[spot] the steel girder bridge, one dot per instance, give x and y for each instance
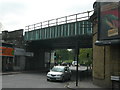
(73, 31)
(63, 32)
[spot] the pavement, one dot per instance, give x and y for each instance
(82, 84)
(9, 73)
(17, 72)
(85, 83)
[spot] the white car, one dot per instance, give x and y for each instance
(74, 63)
(60, 73)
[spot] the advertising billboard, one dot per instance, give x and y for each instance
(109, 21)
(6, 51)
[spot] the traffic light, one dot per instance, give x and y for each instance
(88, 55)
(55, 56)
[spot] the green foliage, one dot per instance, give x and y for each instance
(68, 61)
(85, 56)
(64, 54)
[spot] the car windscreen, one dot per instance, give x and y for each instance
(57, 69)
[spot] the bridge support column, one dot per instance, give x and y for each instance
(37, 62)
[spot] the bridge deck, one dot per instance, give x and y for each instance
(69, 30)
(63, 30)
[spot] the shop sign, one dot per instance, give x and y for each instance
(19, 51)
(6, 51)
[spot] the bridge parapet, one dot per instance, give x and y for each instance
(72, 25)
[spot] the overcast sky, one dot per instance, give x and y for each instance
(16, 14)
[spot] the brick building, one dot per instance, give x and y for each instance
(106, 43)
(16, 39)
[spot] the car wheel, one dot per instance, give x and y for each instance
(48, 80)
(69, 78)
(63, 79)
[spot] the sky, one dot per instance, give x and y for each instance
(16, 14)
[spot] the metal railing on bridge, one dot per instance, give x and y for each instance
(59, 27)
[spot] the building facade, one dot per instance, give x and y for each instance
(106, 49)
(17, 60)
(7, 56)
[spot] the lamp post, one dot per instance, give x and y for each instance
(77, 59)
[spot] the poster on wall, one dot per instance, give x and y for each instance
(109, 21)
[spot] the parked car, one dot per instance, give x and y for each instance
(64, 64)
(74, 63)
(60, 73)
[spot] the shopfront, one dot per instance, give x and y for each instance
(19, 59)
(7, 54)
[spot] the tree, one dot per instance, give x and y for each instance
(85, 56)
(64, 54)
